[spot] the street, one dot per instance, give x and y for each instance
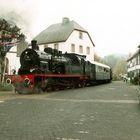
(102, 112)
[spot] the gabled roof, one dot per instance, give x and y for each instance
(59, 32)
(134, 55)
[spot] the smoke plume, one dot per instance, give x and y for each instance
(19, 12)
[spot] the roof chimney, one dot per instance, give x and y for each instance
(65, 20)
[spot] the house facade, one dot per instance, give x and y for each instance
(133, 65)
(13, 56)
(69, 37)
(13, 63)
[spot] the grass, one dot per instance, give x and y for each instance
(6, 87)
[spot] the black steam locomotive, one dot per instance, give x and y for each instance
(50, 69)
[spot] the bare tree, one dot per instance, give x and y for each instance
(120, 68)
(117, 63)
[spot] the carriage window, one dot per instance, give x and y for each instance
(100, 69)
(87, 63)
(97, 69)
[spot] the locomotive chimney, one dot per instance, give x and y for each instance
(34, 45)
(65, 20)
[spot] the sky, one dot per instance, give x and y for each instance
(114, 25)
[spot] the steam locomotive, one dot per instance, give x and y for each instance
(50, 69)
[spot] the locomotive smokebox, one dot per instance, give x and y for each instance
(34, 45)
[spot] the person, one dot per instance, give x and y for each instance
(14, 71)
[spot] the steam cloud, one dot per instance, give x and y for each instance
(19, 12)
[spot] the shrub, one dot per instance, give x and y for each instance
(134, 80)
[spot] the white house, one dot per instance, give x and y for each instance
(69, 37)
(133, 65)
(14, 56)
(13, 62)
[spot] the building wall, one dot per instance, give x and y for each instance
(14, 62)
(74, 39)
(133, 66)
(14, 56)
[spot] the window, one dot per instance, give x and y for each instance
(88, 50)
(80, 49)
(45, 46)
(56, 46)
(80, 35)
(72, 47)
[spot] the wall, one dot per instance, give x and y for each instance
(13, 60)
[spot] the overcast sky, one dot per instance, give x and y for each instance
(114, 25)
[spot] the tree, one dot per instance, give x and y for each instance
(117, 62)
(110, 60)
(119, 69)
(9, 36)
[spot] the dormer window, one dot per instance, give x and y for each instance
(80, 35)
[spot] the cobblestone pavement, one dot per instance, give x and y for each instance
(104, 112)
